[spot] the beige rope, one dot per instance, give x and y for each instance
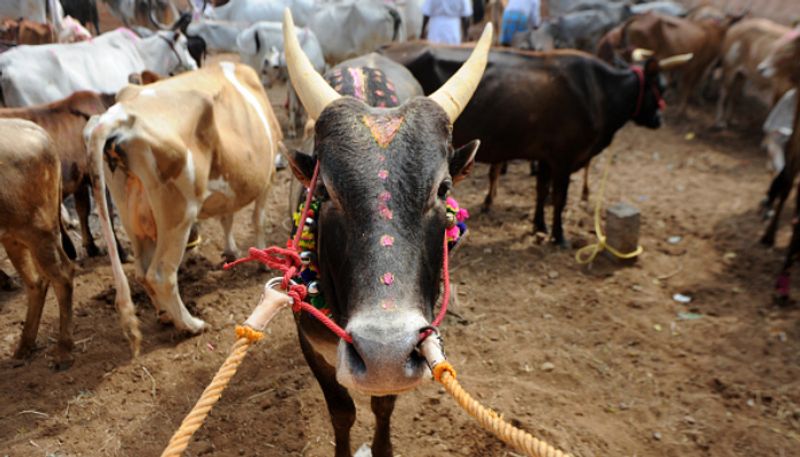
(521, 440)
(194, 420)
(269, 305)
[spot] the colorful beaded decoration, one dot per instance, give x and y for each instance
(309, 271)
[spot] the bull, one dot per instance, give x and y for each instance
(384, 175)
(559, 108)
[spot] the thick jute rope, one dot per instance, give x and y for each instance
(271, 302)
(444, 373)
(194, 420)
(588, 253)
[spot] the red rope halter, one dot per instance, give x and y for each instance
(287, 260)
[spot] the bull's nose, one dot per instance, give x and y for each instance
(383, 356)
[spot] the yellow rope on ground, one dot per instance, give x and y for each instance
(490, 420)
(588, 253)
(246, 336)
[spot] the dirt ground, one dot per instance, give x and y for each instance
(600, 361)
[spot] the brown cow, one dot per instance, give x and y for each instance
(30, 196)
(666, 36)
(784, 62)
(26, 32)
(64, 121)
(746, 45)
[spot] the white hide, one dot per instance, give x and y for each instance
(31, 75)
(220, 36)
(266, 54)
(260, 10)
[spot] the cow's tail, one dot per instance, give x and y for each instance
(398, 22)
(96, 135)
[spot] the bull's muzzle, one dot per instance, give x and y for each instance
(383, 357)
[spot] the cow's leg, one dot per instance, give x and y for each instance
(83, 208)
(231, 251)
(260, 218)
(66, 242)
(341, 408)
(162, 273)
(560, 189)
(784, 189)
(54, 265)
(382, 407)
(792, 253)
(123, 256)
(36, 289)
(774, 191)
(585, 191)
(724, 94)
(494, 177)
(542, 192)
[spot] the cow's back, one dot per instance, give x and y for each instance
(748, 43)
(31, 75)
(221, 114)
(30, 176)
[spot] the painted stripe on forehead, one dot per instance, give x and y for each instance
(383, 128)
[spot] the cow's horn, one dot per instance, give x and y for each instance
(454, 95)
(674, 61)
(640, 54)
(311, 87)
(152, 16)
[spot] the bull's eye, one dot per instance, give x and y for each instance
(444, 188)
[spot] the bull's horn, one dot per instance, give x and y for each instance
(454, 95)
(674, 61)
(314, 92)
(640, 54)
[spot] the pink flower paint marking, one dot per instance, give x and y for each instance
(387, 240)
(384, 196)
(386, 213)
(383, 174)
(388, 278)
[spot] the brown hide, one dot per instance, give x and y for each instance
(30, 196)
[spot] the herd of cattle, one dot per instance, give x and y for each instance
(137, 113)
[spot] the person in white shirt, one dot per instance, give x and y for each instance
(446, 20)
(519, 16)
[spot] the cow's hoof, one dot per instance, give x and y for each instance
(93, 251)
(539, 236)
(230, 256)
(562, 243)
(7, 283)
(164, 318)
(62, 359)
(193, 327)
(486, 208)
(363, 451)
(24, 351)
(768, 239)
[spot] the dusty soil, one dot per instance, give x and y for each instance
(600, 361)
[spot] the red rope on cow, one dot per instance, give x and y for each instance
(288, 261)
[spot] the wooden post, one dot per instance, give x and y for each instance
(622, 230)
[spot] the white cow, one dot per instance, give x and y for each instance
(262, 10)
(352, 28)
(32, 75)
(778, 129)
(261, 47)
(219, 36)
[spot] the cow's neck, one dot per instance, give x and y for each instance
(157, 54)
(623, 96)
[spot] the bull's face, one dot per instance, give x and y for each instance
(179, 58)
(651, 92)
(385, 174)
(783, 61)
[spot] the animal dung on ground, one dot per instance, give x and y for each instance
(622, 229)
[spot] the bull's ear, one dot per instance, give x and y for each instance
(302, 166)
(463, 160)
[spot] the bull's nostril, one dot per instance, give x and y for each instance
(357, 364)
(415, 359)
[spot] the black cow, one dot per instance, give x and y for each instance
(384, 176)
(560, 108)
(85, 11)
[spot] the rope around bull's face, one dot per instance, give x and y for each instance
(385, 175)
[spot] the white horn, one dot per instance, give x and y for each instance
(314, 92)
(674, 61)
(454, 95)
(640, 54)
